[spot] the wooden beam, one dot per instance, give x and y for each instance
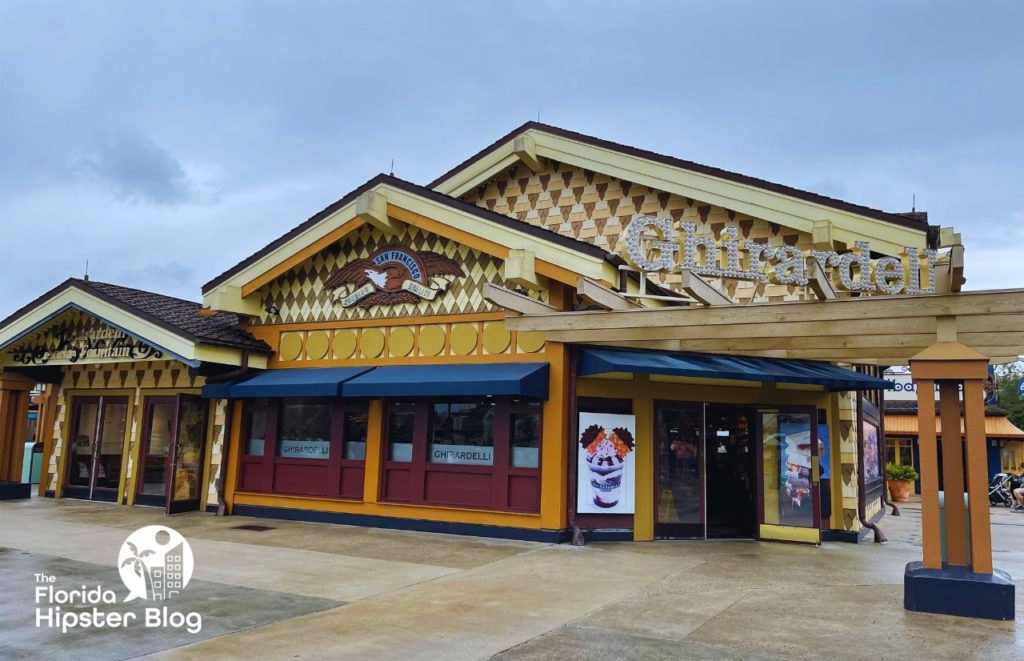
(820, 283)
(602, 296)
(700, 290)
(821, 234)
(956, 268)
(514, 301)
(519, 269)
(894, 310)
(372, 207)
(525, 148)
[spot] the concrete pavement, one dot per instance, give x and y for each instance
(302, 590)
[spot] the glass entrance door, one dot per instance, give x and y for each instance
(157, 432)
(790, 499)
(731, 472)
(95, 447)
(679, 470)
(187, 454)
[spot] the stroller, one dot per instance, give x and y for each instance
(1000, 489)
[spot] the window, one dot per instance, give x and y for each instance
(899, 451)
(524, 429)
(354, 433)
(257, 426)
(401, 422)
(305, 428)
(462, 433)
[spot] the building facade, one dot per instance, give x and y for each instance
(436, 357)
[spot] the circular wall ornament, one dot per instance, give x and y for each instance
(317, 344)
(496, 337)
(371, 343)
(344, 343)
(290, 347)
(431, 340)
(400, 341)
(463, 339)
(530, 341)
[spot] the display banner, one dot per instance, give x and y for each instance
(606, 476)
(304, 449)
(473, 455)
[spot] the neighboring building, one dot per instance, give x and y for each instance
(1005, 441)
(370, 366)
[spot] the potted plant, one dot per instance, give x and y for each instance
(901, 480)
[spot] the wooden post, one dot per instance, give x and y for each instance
(977, 476)
(929, 460)
(14, 399)
(953, 473)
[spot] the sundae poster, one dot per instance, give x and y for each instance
(606, 481)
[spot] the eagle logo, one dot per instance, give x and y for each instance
(392, 275)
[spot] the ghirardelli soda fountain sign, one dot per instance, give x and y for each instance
(784, 265)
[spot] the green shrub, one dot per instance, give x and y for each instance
(900, 472)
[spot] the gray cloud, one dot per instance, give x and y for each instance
(281, 108)
(137, 169)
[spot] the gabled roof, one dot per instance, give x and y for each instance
(486, 215)
(914, 220)
(178, 317)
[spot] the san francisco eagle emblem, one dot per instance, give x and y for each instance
(392, 275)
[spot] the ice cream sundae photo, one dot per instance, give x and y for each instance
(605, 454)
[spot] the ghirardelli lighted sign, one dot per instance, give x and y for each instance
(784, 265)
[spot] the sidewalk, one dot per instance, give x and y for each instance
(303, 590)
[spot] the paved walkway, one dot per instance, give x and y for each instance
(301, 590)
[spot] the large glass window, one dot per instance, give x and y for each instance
(462, 433)
(305, 428)
(354, 433)
(401, 425)
(257, 428)
(525, 432)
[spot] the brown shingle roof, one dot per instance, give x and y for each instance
(916, 220)
(174, 314)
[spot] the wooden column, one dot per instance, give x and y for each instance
(14, 400)
(951, 365)
(953, 473)
(928, 457)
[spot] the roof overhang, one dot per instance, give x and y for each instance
(555, 257)
(888, 233)
(871, 330)
(170, 344)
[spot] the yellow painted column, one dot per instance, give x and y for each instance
(375, 448)
(643, 409)
(554, 471)
(234, 453)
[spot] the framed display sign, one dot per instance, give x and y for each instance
(606, 475)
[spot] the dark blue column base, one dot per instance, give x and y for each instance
(958, 591)
(15, 490)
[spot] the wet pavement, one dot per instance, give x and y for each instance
(304, 590)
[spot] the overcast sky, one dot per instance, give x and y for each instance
(166, 141)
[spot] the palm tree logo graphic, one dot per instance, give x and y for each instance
(155, 563)
(138, 564)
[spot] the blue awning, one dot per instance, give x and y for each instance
(307, 382)
(717, 366)
(522, 379)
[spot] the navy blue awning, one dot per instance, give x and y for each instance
(306, 382)
(717, 366)
(522, 379)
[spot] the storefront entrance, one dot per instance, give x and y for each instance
(95, 447)
(733, 472)
(173, 447)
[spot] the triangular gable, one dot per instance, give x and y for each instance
(389, 205)
(82, 322)
(837, 221)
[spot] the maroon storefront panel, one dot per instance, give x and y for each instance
(334, 477)
(497, 486)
